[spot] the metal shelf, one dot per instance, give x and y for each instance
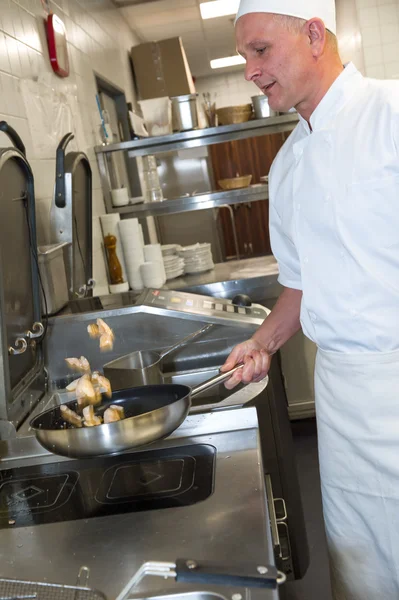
(203, 137)
(218, 199)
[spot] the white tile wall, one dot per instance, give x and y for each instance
(98, 41)
(230, 88)
(379, 25)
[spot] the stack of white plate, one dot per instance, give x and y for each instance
(197, 258)
(174, 266)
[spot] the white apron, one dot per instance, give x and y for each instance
(357, 408)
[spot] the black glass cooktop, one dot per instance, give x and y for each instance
(81, 489)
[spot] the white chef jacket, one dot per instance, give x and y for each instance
(334, 216)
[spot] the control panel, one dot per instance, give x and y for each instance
(193, 303)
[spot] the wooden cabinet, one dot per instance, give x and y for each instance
(244, 157)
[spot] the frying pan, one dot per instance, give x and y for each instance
(143, 367)
(152, 412)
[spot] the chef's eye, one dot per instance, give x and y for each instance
(260, 51)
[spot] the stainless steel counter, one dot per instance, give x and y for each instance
(259, 274)
(231, 526)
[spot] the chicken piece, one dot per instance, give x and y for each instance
(70, 416)
(79, 364)
(90, 419)
(106, 343)
(94, 377)
(111, 415)
(104, 329)
(85, 392)
(71, 387)
(101, 384)
(105, 385)
(120, 410)
(107, 336)
(93, 331)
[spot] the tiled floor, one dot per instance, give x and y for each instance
(315, 585)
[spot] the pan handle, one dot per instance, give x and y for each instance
(206, 385)
(191, 571)
(13, 135)
(60, 171)
(185, 340)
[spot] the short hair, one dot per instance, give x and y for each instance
(294, 25)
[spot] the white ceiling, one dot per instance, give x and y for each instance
(203, 40)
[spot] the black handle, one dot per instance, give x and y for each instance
(60, 171)
(191, 571)
(13, 135)
(242, 300)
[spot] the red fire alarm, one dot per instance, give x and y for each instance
(57, 45)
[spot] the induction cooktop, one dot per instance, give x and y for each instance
(82, 489)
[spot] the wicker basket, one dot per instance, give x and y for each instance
(230, 115)
(235, 182)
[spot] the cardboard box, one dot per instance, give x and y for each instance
(161, 69)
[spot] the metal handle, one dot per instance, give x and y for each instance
(206, 385)
(251, 250)
(262, 576)
(81, 293)
(83, 577)
(60, 201)
(21, 346)
(185, 340)
(90, 284)
(13, 135)
(191, 571)
(38, 330)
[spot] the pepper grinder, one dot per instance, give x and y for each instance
(114, 266)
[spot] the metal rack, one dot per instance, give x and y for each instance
(192, 139)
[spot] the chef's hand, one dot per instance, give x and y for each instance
(256, 361)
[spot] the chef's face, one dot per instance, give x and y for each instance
(278, 61)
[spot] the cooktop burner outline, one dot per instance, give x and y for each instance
(27, 493)
(153, 477)
(15, 500)
(50, 493)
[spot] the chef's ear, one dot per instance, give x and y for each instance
(317, 35)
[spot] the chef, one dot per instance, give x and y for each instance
(334, 226)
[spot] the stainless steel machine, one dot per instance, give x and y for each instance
(249, 501)
(222, 488)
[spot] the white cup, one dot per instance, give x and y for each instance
(152, 274)
(120, 197)
(152, 253)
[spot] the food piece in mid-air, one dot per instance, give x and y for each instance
(85, 392)
(71, 387)
(70, 416)
(106, 336)
(111, 415)
(104, 332)
(79, 364)
(90, 419)
(93, 331)
(104, 329)
(101, 384)
(106, 343)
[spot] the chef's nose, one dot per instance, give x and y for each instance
(252, 73)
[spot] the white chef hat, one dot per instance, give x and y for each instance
(303, 9)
